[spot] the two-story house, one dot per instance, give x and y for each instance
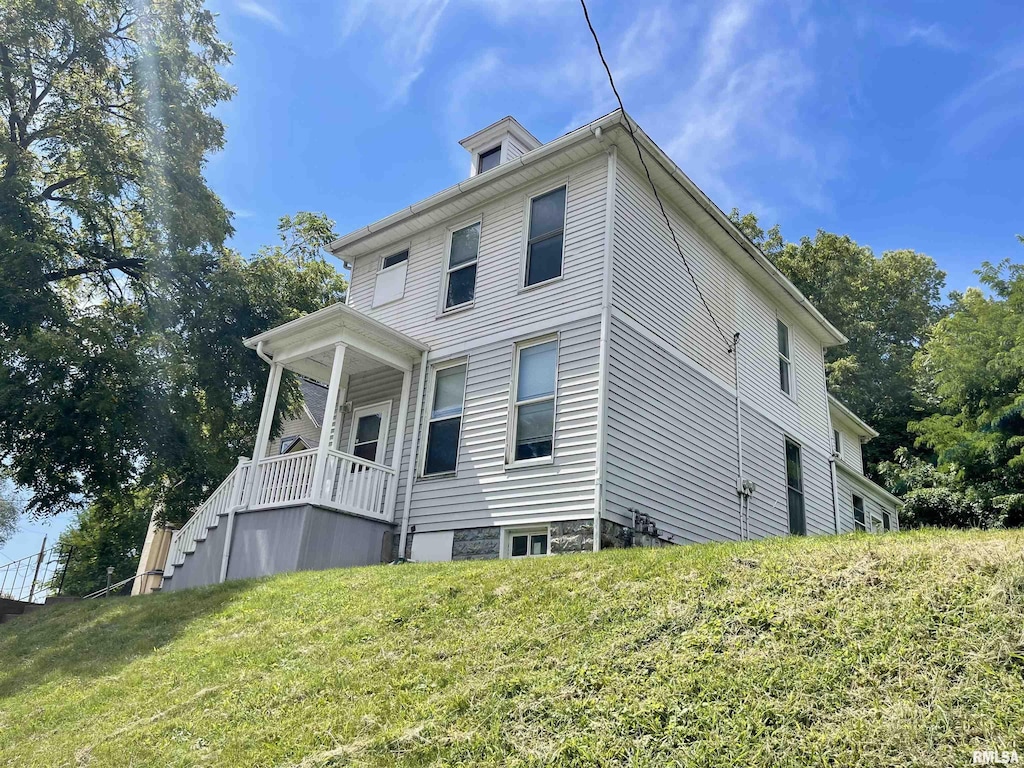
(524, 366)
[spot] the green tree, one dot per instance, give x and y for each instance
(885, 305)
(971, 370)
(105, 534)
(108, 231)
(11, 507)
(210, 389)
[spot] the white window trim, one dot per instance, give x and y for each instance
(446, 270)
(384, 409)
(863, 509)
(421, 460)
(838, 442)
(502, 155)
(533, 530)
(510, 448)
(381, 269)
(389, 254)
(788, 438)
(779, 356)
(528, 198)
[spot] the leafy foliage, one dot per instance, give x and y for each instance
(972, 372)
(885, 305)
(105, 534)
(11, 508)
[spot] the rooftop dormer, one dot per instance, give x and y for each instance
(498, 143)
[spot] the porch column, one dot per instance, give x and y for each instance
(330, 409)
(401, 433)
(259, 451)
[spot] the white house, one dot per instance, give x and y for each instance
(523, 360)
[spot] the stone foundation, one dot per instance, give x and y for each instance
(571, 536)
(615, 536)
(477, 544)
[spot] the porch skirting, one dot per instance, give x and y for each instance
(297, 538)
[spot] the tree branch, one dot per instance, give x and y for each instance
(130, 265)
(47, 193)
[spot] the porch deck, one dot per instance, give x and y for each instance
(351, 485)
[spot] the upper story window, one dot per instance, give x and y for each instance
(533, 418)
(390, 283)
(837, 441)
(544, 244)
(859, 521)
(489, 159)
(445, 425)
(795, 488)
(886, 521)
(785, 360)
(460, 278)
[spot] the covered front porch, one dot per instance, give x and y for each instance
(367, 370)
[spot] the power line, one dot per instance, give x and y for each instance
(729, 346)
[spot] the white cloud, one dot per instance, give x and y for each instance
(931, 35)
(988, 106)
(261, 13)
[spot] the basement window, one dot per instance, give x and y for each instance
(527, 543)
(489, 159)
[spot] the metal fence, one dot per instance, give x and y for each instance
(34, 578)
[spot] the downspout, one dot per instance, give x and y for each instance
(605, 346)
(741, 490)
(413, 455)
(263, 355)
(833, 457)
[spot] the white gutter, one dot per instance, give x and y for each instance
(856, 420)
(868, 484)
(413, 455)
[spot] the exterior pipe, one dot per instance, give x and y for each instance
(263, 355)
(602, 366)
(833, 456)
(413, 453)
(740, 490)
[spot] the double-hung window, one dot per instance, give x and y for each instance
(460, 278)
(795, 488)
(785, 360)
(860, 522)
(545, 236)
(533, 417)
(445, 425)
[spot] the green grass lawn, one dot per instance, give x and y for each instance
(896, 650)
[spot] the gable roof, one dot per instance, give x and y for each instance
(863, 429)
(314, 396)
(567, 150)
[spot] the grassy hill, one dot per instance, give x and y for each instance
(899, 650)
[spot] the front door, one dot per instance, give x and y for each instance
(369, 434)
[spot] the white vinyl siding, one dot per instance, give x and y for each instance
(874, 502)
(500, 301)
(672, 450)
(852, 454)
(484, 492)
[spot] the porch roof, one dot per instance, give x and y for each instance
(306, 344)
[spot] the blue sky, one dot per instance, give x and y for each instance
(896, 123)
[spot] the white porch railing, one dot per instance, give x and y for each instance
(351, 485)
(228, 495)
(355, 485)
(285, 479)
